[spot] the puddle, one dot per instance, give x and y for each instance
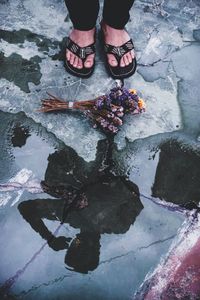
(111, 237)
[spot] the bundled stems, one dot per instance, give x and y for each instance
(106, 111)
(53, 104)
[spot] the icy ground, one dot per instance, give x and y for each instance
(158, 150)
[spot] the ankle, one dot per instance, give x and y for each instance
(78, 32)
(83, 38)
(107, 29)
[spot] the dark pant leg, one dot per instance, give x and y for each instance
(116, 12)
(83, 13)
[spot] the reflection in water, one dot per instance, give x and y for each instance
(110, 204)
(177, 177)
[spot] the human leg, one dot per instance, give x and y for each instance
(83, 15)
(115, 17)
(116, 12)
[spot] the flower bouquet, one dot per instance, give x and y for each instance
(106, 111)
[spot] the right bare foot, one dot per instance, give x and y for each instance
(82, 39)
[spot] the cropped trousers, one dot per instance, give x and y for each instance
(84, 13)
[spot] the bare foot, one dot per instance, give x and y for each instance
(83, 39)
(117, 37)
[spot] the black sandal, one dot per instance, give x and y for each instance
(82, 53)
(120, 72)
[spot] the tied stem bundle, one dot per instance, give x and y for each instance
(106, 111)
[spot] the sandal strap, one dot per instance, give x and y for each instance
(81, 52)
(120, 51)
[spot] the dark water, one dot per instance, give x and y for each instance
(103, 250)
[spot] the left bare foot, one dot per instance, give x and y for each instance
(117, 37)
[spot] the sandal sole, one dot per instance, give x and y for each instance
(79, 74)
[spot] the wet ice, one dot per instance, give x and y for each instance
(166, 38)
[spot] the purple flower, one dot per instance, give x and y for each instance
(108, 101)
(119, 114)
(113, 128)
(100, 102)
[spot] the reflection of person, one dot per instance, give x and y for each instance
(177, 177)
(80, 53)
(113, 205)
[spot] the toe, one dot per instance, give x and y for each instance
(126, 60)
(129, 56)
(72, 57)
(89, 61)
(75, 64)
(122, 62)
(112, 60)
(80, 64)
(68, 55)
(132, 54)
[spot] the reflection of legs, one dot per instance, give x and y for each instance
(115, 17)
(83, 14)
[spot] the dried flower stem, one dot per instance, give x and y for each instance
(106, 111)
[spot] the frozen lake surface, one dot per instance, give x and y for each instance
(142, 188)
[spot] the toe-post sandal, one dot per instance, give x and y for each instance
(82, 53)
(118, 71)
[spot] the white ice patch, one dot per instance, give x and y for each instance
(163, 41)
(24, 180)
(4, 199)
(44, 17)
(22, 177)
(26, 50)
(4, 103)
(162, 112)
(11, 97)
